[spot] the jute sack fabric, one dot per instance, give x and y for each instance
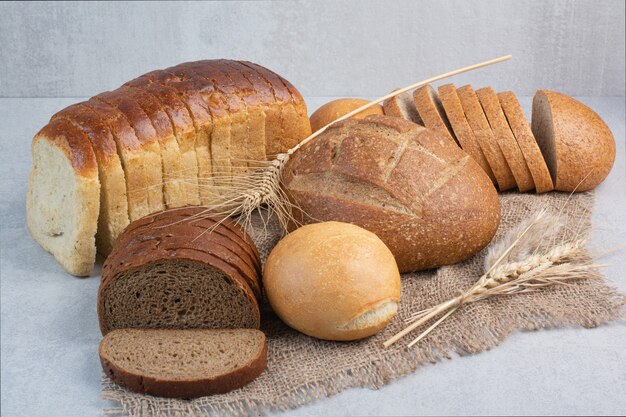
(302, 369)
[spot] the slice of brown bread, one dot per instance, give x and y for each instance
(431, 111)
(500, 127)
(577, 145)
(462, 130)
(164, 272)
(402, 106)
(183, 363)
(485, 137)
(526, 141)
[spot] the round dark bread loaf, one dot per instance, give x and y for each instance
(427, 199)
(167, 272)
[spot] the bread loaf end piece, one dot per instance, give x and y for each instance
(62, 209)
(577, 145)
(183, 363)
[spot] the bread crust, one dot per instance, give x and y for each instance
(501, 130)
(333, 110)
(485, 137)
(395, 106)
(462, 130)
(422, 195)
(526, 141)
(185, 388)
(584, 144)
(431, 112)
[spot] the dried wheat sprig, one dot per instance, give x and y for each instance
(520, 262)
(265, 182)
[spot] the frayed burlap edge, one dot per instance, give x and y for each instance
(376, 370)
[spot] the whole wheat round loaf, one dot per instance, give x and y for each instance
(427, 199)
(576, 143)
(175, 269)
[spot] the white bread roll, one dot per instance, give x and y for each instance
(333, 281)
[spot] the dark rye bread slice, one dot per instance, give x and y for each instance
(402, 106)
(147, 136)
(485, 137)
(526, 141)
(170, 276)
(462, 130)
(183, 363)
(501, 130)
(113, 216)
(185, 230)
(432, 113)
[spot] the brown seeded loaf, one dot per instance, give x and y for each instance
(501, 130)
(159, 164)
(183, 363)
(432, 113)
(462, 130)
(426, 199)
(526, 141)
(165, 272)
(402, 106)
(577, 145)
(485, 137)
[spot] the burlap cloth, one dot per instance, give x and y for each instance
(302, 369)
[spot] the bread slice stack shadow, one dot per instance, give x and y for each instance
(490, 127)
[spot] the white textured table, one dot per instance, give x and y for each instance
(49, 328)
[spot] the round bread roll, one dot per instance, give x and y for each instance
(575, 142)
(333, 110)
(333, 281)
(422, 195)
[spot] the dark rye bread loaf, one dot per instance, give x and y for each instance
(427, 199)
(183, 363)
(168, 271)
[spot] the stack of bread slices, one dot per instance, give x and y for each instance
(567, 148)
(169, 138)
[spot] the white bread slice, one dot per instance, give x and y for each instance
(183, 363)
(63, 199)
(402, 106)
(113, 217)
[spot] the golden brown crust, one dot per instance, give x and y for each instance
(421, 194)
(585, 147)
(500, 127)
(485, 137)
(462, 130)
(333, 110)
(526, 141)
(181, 388)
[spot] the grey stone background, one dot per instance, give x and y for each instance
(326, 48)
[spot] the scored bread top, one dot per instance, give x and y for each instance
(485, 137)
(183, 363)
(502, 131)
(462, 130)
(526, 141)
(432, 113)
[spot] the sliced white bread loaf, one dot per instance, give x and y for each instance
(63, 197)
(576, 143)
(183, 363)
(526, 141)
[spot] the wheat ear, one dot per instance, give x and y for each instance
(263, 185)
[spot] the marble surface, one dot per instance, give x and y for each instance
(49, 329)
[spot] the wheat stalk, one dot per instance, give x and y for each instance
(242, 194)
(525, 260)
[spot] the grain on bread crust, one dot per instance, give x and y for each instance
(62, 210)
(526, 141)
(422, 195)
(500, 127)
(485, 137)
(183, 363)
(462, 130)
(577, 145)
(432, 113)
